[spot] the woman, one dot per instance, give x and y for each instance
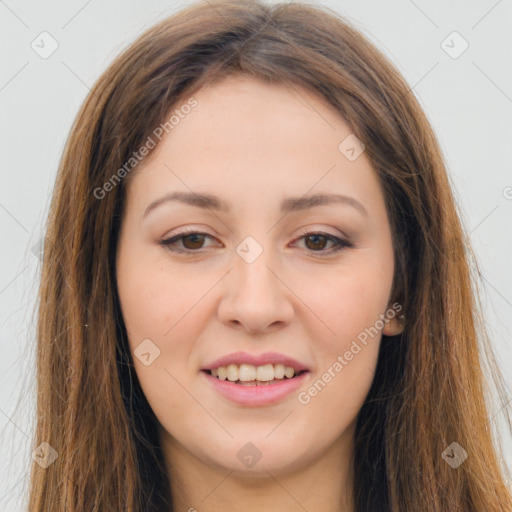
(256, 292)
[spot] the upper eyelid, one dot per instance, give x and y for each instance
(300, 235)
(303, 231)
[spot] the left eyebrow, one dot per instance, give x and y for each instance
(211, 202)
(306, 202)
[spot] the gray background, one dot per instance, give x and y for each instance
(468, 100)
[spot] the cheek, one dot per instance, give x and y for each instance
(335, 396)
(169, 307)
(347, 359)
(347, 301)
(154, 298)
(162, 312)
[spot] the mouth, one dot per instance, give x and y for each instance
(255, 386)
(251, 375)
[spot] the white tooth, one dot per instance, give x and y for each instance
(265, 372)
(289, 371)
(278, 371)
(249, 372)
(246, 372)
(232, 372)
(222, 372)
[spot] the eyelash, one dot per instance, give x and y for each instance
(340, 243)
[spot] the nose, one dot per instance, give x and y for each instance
(255, 298)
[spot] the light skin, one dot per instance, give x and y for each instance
(253, 144)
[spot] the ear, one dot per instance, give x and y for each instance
(394, 326)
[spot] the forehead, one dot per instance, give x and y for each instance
(246, 113)
(245, 135)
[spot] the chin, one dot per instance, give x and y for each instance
(258, 458)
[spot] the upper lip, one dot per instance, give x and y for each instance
(239, 358)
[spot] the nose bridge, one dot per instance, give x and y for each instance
(255, 297)
(252, 269)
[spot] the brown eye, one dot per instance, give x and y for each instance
(190, 241)
(196, 241)
(318, 242)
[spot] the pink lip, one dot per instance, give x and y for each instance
(239, 358)
(255, 395)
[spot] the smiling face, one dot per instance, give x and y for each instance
(255, 277)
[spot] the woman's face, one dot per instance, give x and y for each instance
(258, 277)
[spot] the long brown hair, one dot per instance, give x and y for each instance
(431, 387)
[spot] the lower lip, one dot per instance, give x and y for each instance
(256, 395)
